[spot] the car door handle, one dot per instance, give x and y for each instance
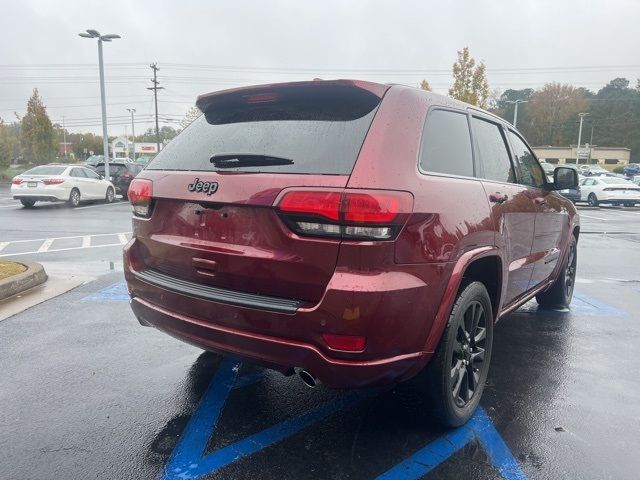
(539, 200)
(498, 197)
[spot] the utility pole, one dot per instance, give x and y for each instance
(133, 131)
(155, 89)
(515, 109)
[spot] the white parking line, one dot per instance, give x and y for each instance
(86, 241)
(75, 236)
(60, 250)
(582, 215)
(45, 246)
(2, 245)
(123, 238)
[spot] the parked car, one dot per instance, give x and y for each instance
(631, 169)
(93, 160)
(60, 182)
(609, 190)
(120, 173)
(593, 170)
(572, 194)
(344, 231)
(547, 167)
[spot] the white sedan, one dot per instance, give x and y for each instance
(612, 190)
(66, 183)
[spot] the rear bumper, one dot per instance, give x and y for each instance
(277, 353)
(41, 194)
(393, 310)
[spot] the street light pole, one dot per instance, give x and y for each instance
(133, 131)
(105, 139)
(515, 110)
(103, 103)
(581, 115)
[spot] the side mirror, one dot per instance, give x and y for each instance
(564, 177)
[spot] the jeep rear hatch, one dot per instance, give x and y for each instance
(213, 219)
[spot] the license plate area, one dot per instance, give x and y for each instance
(32, 184)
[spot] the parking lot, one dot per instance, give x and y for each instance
(89, 393)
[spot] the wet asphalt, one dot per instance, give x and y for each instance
(86, 392)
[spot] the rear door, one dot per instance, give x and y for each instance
(513, 211)
(214, 186)
(552, 219)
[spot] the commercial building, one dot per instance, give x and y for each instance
(121, 148)
(608, 157)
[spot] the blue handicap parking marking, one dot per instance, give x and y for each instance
(582, 304)
(113, 293)
(189, 461)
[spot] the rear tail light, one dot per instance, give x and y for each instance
(16, 181)
(347, 214)
(347, 343)
(140, 195)
(53, 181)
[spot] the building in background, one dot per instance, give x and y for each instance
(608, 157)
(121, 148)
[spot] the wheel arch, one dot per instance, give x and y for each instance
(482, 264)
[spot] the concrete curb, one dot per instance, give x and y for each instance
(33, 276)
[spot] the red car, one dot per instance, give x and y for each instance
(354, 233)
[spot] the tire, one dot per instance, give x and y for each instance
(593, 200)
(26, 203)
(560, 293)
(109, 196)
(441, 392)
(74, 198)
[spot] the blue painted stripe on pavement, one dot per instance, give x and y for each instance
(480, 427)
(429, 457)
(116, 292)
(194, 439)
(249, 379)
(582, 304)
(496, 448)
(229, 454)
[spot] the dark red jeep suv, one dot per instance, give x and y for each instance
(354, 233)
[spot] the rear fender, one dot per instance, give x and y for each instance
(450, 293)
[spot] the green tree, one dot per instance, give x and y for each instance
(553, 112)
(424, 85)
(469, 81)
(192, 114)
(166, 133)
(615, 115)
(6, 145)
(38, 136)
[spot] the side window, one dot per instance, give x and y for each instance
(493, 151)
(531, 172)
(90, 174)
(446, 144)
(78, 173)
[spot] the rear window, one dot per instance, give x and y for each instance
(446, 144)
(304, 134)
(45, 170)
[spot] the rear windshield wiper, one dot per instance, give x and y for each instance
(242, 160)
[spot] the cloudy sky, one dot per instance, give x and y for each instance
(203, 46)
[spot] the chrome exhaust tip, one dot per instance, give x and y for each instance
(308, 379)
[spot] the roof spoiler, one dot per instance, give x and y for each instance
(319, 100)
